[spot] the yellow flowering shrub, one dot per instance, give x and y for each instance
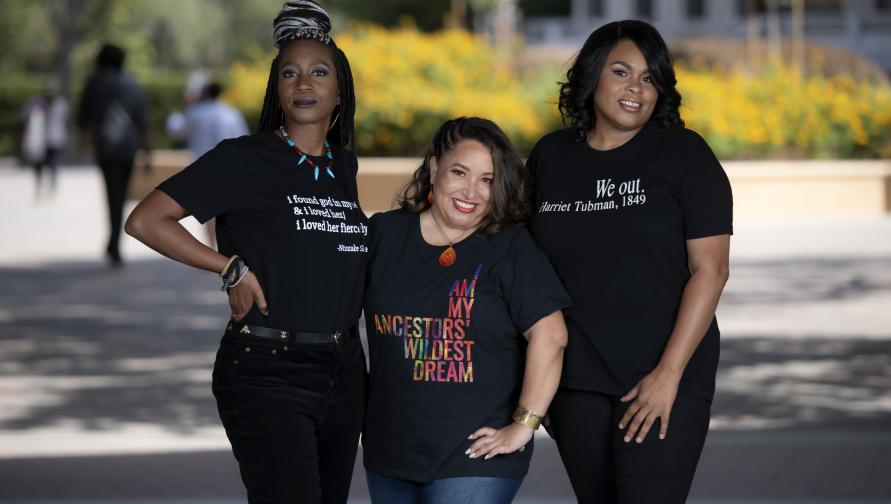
(408, 82)
(779, 110)
(247, 84)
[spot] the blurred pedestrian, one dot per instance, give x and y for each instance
(635, 213)
(175, 125)
(113, 111)
(45, 137)
(208, 122)
(289, 377)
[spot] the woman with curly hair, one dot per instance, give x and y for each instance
(464, 327)
(635, 213)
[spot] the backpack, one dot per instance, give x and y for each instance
(117, 135)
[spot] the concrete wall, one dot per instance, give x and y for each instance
(760, 188)
(801, 188)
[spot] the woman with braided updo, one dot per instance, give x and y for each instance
(289, 377)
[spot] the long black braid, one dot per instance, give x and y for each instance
(271, 116)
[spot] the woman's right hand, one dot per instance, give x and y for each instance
(245, 295)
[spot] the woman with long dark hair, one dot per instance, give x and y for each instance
(635, 213)
(464, 327)
(289, 376)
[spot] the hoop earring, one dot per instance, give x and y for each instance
(336, 117)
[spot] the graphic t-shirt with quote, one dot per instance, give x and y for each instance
(614, 225)
(446, 346)
(305, 239)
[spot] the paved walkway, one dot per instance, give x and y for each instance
(104, 380)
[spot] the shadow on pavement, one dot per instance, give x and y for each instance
(98, 347)
(95, 349)
(791, 281)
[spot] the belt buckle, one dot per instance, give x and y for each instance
(339, 337)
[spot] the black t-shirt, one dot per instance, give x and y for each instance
(615, 224)
(446, 344)
(305, 239)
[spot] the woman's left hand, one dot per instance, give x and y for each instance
(491, 442)
(653, 398)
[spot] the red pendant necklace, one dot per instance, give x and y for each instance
(448, 256)
(301, 156)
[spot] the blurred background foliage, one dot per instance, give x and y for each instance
(780, 111)
(418, 63)
(408, 82)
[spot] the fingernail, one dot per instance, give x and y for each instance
(467, 451)
(639, 440)
(621, 426)
(661, 436)
(470, 436)
(627, 438)
(486, 457)
(472, 455)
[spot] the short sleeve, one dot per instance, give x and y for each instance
(705, 194)
(530, 285)
(214, 184)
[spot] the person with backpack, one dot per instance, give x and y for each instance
(113, 111)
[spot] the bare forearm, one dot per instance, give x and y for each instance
(698, 304)
(544, 363)
(168, 237)
(155, 222)
(543, 366)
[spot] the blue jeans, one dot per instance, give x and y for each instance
(465, 490)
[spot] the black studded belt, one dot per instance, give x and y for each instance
(339, 337)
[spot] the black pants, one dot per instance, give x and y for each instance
(293, 413)
(604, 469)
(51, 163)
(117, 177)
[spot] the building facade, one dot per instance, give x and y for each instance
(860, 26)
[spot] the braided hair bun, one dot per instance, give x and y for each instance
(301, 19)
(307, 20)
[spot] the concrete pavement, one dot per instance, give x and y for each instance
(104, 380)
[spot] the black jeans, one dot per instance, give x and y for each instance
(51, 163)
(116, 174)
(293, 413)
(604, 469)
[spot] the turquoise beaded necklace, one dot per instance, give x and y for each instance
(301, 156)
